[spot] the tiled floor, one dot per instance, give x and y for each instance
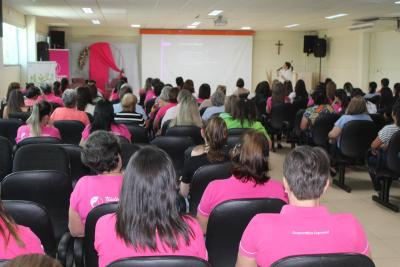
(381, 225)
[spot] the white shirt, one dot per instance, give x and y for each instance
(287, 75)
(170, 114)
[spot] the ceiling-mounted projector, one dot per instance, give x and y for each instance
(361, 26)
(220, 21)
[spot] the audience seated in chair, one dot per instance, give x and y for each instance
(38, 123)
(128, 114)
(204, 93)
(379, 147)
(321, 106)
(304, 226)
(213, 151)
(166, 100)
(49, 96)
(249, 178)
(102, 154)
(188, 114)
(240, 90)
(147, 222)
(173, 111)
(34, 260)
(69, 111)
(32, 96)
(207, 102)
(278, 95)
(217, 105)
(103, 119)
(15, 103)
(84, 100)
(16, 239)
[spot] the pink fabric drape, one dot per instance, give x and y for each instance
(100, 61)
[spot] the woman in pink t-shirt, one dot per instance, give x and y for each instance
(49, 95)
(102, 154)
(303, 226)
(15, 239)
(103, 119)
(249, 177)
(38, 124)
(148, 222)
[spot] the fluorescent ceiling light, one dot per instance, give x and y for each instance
(292, 25)
(397, 2)
(215, 12)
(135, 25)
(95, 21)
(336, 16)
(87, 10)
(191, 27)
(246, 28)
(196, 23)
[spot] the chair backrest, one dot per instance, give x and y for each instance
(50, 189)
(175, 147)
(162, 261)
(91, 258)
(9, 128)
(34, 216)
(232, 141)
(139, 133)
(6, 151)
(222, 238)
(22, 116)
(322, 126)
(356, 138)
(297, 121)
(71, 131)
(379, 120)
(149, 105)
(279, 115)
(191, 131)
(127, 151)
(38, 140)
(326, 260)
(393, 150)
(78, 169)
(202, 177)
(41, 157)
(236, 131)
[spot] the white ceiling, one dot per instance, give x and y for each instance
(258, 14)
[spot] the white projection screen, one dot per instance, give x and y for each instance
(212, 59)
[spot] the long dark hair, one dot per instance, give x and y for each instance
(83, 97)
(300, 90)
(11, 87)
(263, 90)
(57, 88)
(8, 227)
(245, 110)
(64, 84)
(15, 101)
(103, 116)
(147, 206)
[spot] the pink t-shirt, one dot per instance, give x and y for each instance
(299, 230)
(69, 114)
(32, 244)
(337, 107)
(310, 102)
(105, 235)
(269, 102)
(149, 95)
(91, 191)
(117, 129)
(52, 98)
(24, 131)
(161, 112)
(219, 191)
(30, 102)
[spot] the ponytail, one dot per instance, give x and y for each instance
(216, 134)
(40, 110)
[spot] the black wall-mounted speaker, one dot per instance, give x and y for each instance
(309, 42)
(42, 51)
(320, 48)
(57, 39)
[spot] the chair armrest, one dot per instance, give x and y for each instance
(65, 250)
(78, 252)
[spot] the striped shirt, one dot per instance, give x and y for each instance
(133, 117)
(387, 132)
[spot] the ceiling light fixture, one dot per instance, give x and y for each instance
(135, 25)
(95, 21)
(336, 16)
(397, 2)
(246, 28)
(87, 10)
(191, 27)
(292, 25)
(196, 23)
(215, 12)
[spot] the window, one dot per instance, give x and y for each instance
(10, 44)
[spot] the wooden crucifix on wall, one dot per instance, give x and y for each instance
(279, 45)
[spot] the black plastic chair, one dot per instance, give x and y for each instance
(175, 147)
(326, 260)
(298, 136)
(6, 151)
(355, 140)
(84, 251)
(9, 128)
(379, 120)
(202, 177)
(41, 157)
(322, 126)
(139, 134)
(162, 261)
(38, 140)
(232, 141)
(227, 223)
(127, 151)
(71, 131)
(35, 217)
(236, 131)
(50, 189)
(192, 131)
(278, 121)
(22, 116)
(392, 172)
(149, 104)
(77, 168)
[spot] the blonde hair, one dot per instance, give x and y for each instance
(40, 110)
(188, 114)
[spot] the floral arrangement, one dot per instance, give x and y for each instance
(83, 56)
